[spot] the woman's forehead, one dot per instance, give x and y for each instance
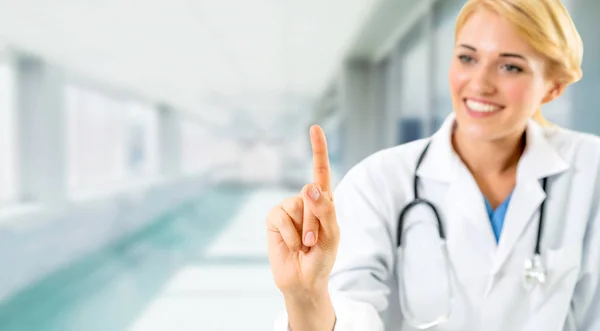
(489, 32)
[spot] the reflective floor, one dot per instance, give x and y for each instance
(202, 267)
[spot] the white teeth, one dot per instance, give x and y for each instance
(481, 107)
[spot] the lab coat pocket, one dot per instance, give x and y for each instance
(562, 269)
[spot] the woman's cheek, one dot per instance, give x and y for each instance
(458, 79)
(518, 93)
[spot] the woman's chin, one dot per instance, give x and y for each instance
(479, 131)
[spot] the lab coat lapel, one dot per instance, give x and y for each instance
(538, 161)
(467, 203)
(463, 200)
(441, 162)
(523, 208)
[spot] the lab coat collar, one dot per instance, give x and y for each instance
(540, 159)
(441, 160)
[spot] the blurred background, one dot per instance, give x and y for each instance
(142, 143)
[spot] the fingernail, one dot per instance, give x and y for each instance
(309, 239)
(314, 193)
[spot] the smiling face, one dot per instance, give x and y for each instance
(497, 80)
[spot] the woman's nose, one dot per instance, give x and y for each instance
(482, 82)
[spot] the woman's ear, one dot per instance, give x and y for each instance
(555, 91)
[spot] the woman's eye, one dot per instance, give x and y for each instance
(465, 58)
(512, 68)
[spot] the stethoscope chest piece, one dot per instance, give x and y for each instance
(534, 272)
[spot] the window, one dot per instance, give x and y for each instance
(110, 140)
(413, 68)
(203, 150)
(404, 77)
(142, 140)
(193, 141)
(8, 141)
(584, 109)
(390, 70)
(95, 139)
(445, 13)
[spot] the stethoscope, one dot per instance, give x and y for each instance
(534, 271)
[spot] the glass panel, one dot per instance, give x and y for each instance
(95, 139)
(142, 139)
(413, 88)
(444, 17)
(8, 141)
(585, 104)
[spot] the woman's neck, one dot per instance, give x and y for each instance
(489, 157)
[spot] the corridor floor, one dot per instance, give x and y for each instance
(204, 267)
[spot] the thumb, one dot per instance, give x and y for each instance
(310, 222)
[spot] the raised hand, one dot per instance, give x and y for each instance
(303, 233)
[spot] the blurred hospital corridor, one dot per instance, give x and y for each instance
(142, 143)
(202, 266)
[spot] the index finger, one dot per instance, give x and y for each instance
(321, 168)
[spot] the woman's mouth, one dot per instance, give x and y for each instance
(480, 108)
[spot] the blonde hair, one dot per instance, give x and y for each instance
(547, 27)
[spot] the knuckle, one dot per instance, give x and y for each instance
(327, 209)
(304, 189)
(336, 229)
(321, 169)
(285, 204)
(311, 224)
(277, 218)
(329, 195)
(297, 204)
(270, 220)
(290, 237)
(294, 242)
(292, 205)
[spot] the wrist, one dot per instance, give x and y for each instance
(305, 297)
(312, 312)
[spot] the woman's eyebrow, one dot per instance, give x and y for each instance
(469, 47)
(515, 55)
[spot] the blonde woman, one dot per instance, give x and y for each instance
(493, 223)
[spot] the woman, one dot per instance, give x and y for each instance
(501, 179)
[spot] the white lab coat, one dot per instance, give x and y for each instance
(490, 295)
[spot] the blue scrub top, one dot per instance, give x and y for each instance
(497, 216)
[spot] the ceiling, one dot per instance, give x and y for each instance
(197, 55)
